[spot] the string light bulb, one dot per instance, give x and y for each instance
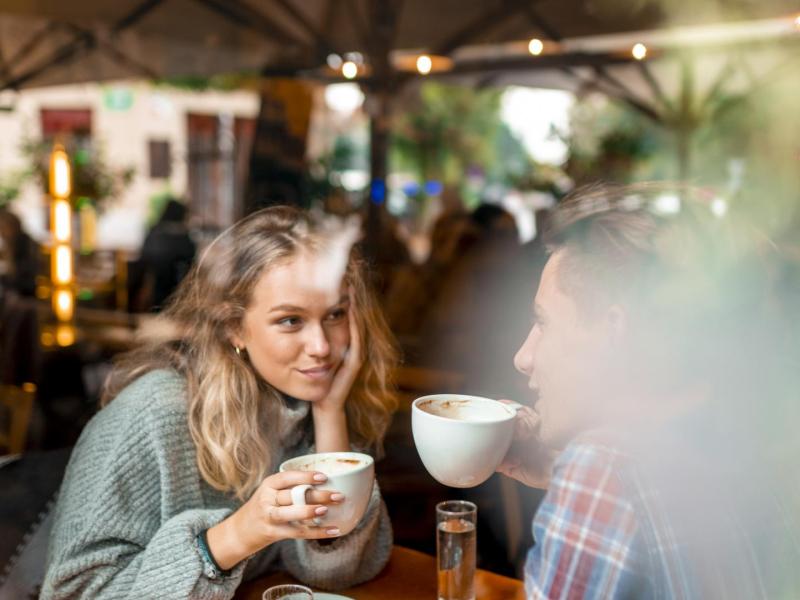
(60, 177)
(639, 51)
(535, 46)
(424, 64)
(62, 266)
(63, 305)
(349, 69)
(62, 220)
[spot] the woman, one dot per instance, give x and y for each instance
(168, 493)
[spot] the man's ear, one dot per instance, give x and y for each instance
(617, 324)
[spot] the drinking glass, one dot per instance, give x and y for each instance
(455, 549)
(288, 592)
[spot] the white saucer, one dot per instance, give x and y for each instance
(327, 596)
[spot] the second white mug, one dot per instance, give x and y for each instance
(350, 473)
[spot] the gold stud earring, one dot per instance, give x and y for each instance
(237, 350)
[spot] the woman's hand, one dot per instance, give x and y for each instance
(330, 419)
(528, 460)
(269, 516)
(348, 371)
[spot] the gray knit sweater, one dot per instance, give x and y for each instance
(133, 502)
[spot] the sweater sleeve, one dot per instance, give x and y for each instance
(169, 566)
(129, 511)
(349, 560)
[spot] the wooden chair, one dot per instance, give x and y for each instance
(17, 403)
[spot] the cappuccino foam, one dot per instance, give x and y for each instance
(331, 466)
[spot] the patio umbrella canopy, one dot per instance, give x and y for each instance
(54, 42)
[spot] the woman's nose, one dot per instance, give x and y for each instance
(317, 343)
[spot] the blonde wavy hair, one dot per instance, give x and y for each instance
(233, 412)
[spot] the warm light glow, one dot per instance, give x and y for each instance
(62, 219)
(797, 21)
(63, 304)
(62, 265)
(349, 69)
(424, 64)
(65, 335)
(639, 51)
(535, 47)
(60, 175)
(88, 219)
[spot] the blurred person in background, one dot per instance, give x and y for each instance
(667, 378)
(20, 256)
(167, 255)
(271, 348)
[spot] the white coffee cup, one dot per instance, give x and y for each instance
(462, 439)
(350, 473)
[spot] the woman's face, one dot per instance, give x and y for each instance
(296, 330)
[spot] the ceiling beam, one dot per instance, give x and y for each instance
(136, 15)
(487, 19)
(116, 54)
(320, 39)
(81, 41)
(245, 16)
(655, 86)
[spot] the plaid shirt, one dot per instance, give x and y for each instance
(603, 531)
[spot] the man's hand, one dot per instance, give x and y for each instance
(528, 460)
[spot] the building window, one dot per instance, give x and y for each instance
(160, 159)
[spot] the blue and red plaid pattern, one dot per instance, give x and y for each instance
(584, 530)
(609, 528)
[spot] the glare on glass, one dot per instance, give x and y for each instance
(455, 549)
(288, 592)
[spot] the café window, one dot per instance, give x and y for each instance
(72, 126)
(158, 152)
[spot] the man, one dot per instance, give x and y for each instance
(660, 365)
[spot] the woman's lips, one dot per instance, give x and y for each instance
(320, 372)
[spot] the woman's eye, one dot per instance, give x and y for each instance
(290, 321)
(337, 315)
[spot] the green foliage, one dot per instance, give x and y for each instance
(221, 82)
(92, 177)
(449, 130)
(608, 141)
(11, 185)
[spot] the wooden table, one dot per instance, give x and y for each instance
(410, 575)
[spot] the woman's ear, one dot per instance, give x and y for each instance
(235, 337)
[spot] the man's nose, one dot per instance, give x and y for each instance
(317, 342)
(523, 360)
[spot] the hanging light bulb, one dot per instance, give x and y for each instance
(639, 51)
(349, 69)
(424, 64)
(535, 46)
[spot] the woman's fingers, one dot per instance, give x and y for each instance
(306, 532)
(313, 496)
(289, 479)
(354, 351)
(297, 512)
